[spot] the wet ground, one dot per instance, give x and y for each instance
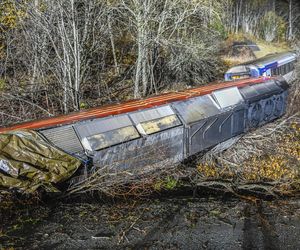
(177, 223)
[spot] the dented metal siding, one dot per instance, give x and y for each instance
(239, 121)
(164, 147)
(212, 131)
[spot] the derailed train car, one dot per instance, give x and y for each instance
(165, 129)
(276, 64)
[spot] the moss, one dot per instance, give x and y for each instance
(169, 183)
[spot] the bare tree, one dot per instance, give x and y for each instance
(69, 28)
(159, 26)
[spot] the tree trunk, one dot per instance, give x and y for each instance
(111, 36)
(290, 37)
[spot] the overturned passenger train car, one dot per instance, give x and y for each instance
(165, 129)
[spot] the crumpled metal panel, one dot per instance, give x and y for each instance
(144, 151)
(228, 97)
(151, 114)
(196, 109)
(98, 126)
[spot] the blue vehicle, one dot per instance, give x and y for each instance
(278, 64)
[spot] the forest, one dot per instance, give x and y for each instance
(59, 56)
(64, 56)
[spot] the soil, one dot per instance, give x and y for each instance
(166, 223)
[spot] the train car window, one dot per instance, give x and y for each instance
(227, 97)
(110, 138)
(196, 109)
(157, 125)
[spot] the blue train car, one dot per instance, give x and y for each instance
(278, 64)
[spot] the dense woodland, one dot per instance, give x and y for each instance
(59, 56)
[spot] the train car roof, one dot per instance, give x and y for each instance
(270, 58)
(129, 106)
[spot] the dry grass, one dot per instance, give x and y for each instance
(245, 54)
(268, 48)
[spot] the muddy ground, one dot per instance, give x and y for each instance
(167, 223)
